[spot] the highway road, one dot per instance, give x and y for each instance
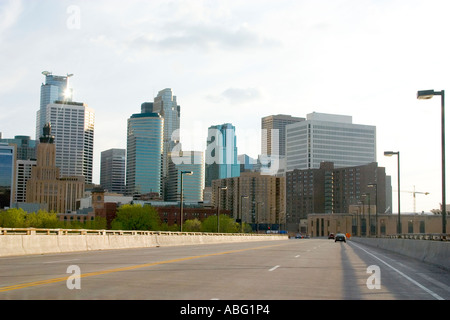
(294, 269)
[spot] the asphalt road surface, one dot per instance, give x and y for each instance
(295, 269)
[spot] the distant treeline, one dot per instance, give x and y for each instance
(128, 217)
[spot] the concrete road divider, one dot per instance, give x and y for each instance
(41, 241)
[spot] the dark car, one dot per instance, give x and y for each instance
(331, 236)
(340, 237)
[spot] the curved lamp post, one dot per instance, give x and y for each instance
(425, 95)
(189, 173)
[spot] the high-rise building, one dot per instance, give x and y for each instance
(221, 156)
(55, 88)
(26, 148)
(273, 133)
(327, 137)
(46, 186)
(73, 128)
(194, 184)
(23, 174)
(7, 174)
(254, 198)
(165, 104)
(112, 170)
(334, 190)
(145, 132)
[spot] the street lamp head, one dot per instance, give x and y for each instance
(425, 94)
(189, 173)
(389, 153)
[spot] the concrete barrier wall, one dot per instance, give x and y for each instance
(434, 252)
(20, 244)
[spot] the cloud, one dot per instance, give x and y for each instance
(236, 95)
(178, 36)
(9, 14)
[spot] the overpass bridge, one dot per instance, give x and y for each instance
(220, 267)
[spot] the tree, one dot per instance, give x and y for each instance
(12, 218)
(136, 217)
(193, 225)
(226, 224)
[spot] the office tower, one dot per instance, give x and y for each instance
(23, 174)
(263, 206)
(55, 88)
(145, 133)
(273, 133)
(26, 148)
(73, 128)
(112, 170)
(221, 157)
(7, 174)
(165, 104)
(194, 184)
(46, 186)
(327, 137)
(334, 190)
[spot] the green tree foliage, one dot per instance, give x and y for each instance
(18, 218)
(226, 224)
(193, 225)
(136, 217)
(12, 218)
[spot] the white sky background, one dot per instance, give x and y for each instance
(238, 61)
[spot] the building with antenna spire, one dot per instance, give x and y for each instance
(72, 125)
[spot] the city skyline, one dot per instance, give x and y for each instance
(239, 62)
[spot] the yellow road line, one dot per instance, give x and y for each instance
(97, 273)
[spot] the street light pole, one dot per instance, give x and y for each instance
(389, 154)
(218, 204)
(189, 173)
(425, 95)
(374, 185)
(242, 213)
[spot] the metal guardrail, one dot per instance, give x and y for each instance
(35, 231)
(421, 236)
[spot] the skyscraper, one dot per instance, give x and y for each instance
(55, 88)
(165, 104)
(7, 171)
(328, 137)
(194, 184)
(26, 148)
(273, 133)
(145, 133)
(112, 170)
(221, 157)
(73, 128)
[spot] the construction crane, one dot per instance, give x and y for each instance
(414, 192)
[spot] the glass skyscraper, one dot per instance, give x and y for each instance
(165, 104)
(55, 88)
(7, 163)
(145, 133)
(112, 170)
(221, 156)
(331, 138)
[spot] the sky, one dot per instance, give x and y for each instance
(235, 62)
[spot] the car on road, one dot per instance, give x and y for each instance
(331, 236)
(340, 237)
